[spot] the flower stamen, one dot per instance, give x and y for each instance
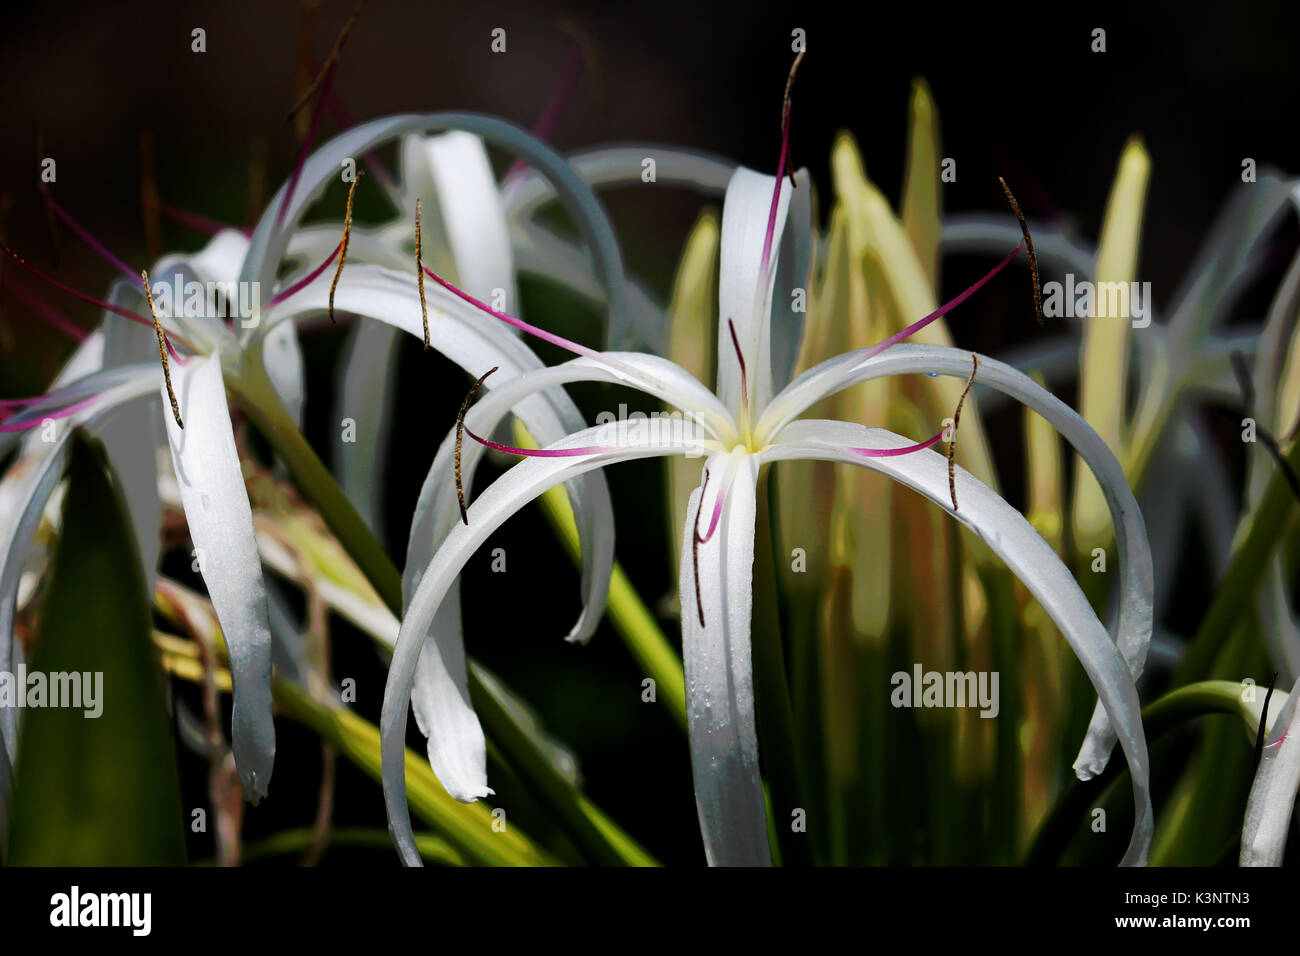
(460, 433)
(740, 358)
(419, 276)
(343, 246)
(1029, 247)
(163, 347)
(956, 421)
(695, 548)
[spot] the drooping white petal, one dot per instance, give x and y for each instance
(221, 527)
(745, 287)
(1273, 794)
(1132, 630)
(1024, 551)
(719, 673)
(456, 744)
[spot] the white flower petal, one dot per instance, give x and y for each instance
(1273, 795)
(456, 743)
(719, 673)
(25, 490)
(1032, 560)
(1133, 627)
(221, 527)
(742, 298)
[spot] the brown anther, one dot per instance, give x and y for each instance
(329, 60)
(419, 276)
(785, 113)
(162, 349)
(343, 246)
(956, 422)
(1029, 247)
(460, 434)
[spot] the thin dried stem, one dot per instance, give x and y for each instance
(329, 60)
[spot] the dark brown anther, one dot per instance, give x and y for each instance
(785, 114)
(162, 349)
(419, 276)
(343, 246)
(460, 434)
(956, 421)
(1029, 247)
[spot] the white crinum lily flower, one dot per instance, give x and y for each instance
(745, 425)
(259, 353)
(111, 378)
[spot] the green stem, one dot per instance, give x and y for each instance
(432, 848)
(467, 827)
(772, 694)
(633, 621)
(1266, 527)
(1158, 718)
(598, 838)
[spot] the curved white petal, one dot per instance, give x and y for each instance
(27, 487)
(221, 527)
(1132, 630)
(271, 237)
(1024, 551)
(456, 744)
(366, 384)
(1273, 794)
(717, 658)
(745, 287)
(527, 191)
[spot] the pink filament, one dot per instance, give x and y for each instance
(776, 195)
(88, 239)
(915, 327)
(554, 108)
(306, 280)
(71, 291)
(306, 146)
(48, 312)
(740, 357)
(60, 413)
(542, 334)
(542, 452)
(894, 452)
(192, 220)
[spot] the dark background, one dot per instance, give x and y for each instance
(1018, 91)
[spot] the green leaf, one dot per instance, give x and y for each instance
(96, 791)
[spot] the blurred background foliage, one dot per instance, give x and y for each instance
(1013, 93)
